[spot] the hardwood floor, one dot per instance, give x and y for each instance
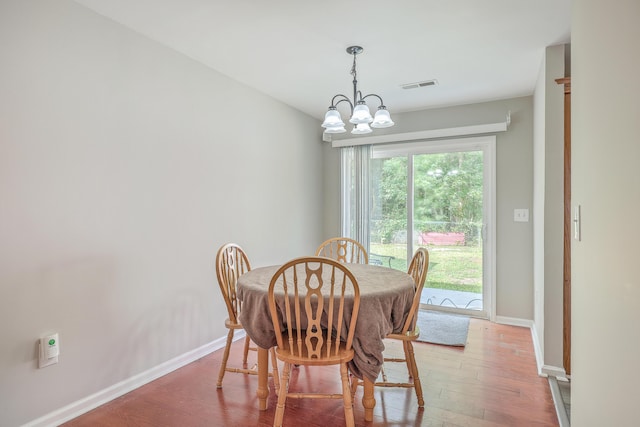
(490, 382)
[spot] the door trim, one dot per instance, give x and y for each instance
(566, 264)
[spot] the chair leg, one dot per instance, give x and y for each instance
(282, 395)
(225, 357)
(247, 340)
(346, 396)
(407, 359)
(274, 371)
(354, 386)
(413, 366)
(384, 374)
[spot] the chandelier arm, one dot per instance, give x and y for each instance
(377, 96)
(341, 98)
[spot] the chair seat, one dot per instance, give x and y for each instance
(232, 325)
(408, 336)
(286, 355)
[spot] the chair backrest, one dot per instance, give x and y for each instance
(314, 304)
(418, 270)
(343, 249)
(231, 263)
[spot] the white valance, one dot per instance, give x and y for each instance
(425, 134)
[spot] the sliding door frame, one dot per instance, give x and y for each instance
(486, 144)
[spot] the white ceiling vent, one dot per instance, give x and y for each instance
(419, 84)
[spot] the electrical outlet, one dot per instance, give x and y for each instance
(49, 350)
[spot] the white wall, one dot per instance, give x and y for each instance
(514, 176)
(605, 94)
(123, 167)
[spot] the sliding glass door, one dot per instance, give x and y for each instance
(437, 195)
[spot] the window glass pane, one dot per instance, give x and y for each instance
(388, 212)
(448, 218)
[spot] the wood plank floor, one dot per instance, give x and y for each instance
(490, 382)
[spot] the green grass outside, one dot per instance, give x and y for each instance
(456, 268)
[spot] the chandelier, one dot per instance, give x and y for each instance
(360, 115)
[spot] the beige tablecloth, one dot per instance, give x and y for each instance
(385, 300)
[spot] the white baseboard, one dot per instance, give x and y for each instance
(554, 371)
(514, 321)
(537, 349)
(88, 403)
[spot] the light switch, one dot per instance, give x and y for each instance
(521, 215)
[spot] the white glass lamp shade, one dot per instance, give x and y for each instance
(361, 114)
(335, 129)
(332, 119)
(361, 129)
(382, 119)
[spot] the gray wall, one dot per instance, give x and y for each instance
(123, 167)
(548, 217)
(606, 184)
(514, 176)
(554, 206)
(331, 163)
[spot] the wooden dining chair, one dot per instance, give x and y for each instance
(314, 304)
(410, 331)
(343, 249)
(231, 263)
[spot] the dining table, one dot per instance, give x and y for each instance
(386, 296)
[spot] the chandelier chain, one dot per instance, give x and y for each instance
(353, 67)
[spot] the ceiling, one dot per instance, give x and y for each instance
(294, 50)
